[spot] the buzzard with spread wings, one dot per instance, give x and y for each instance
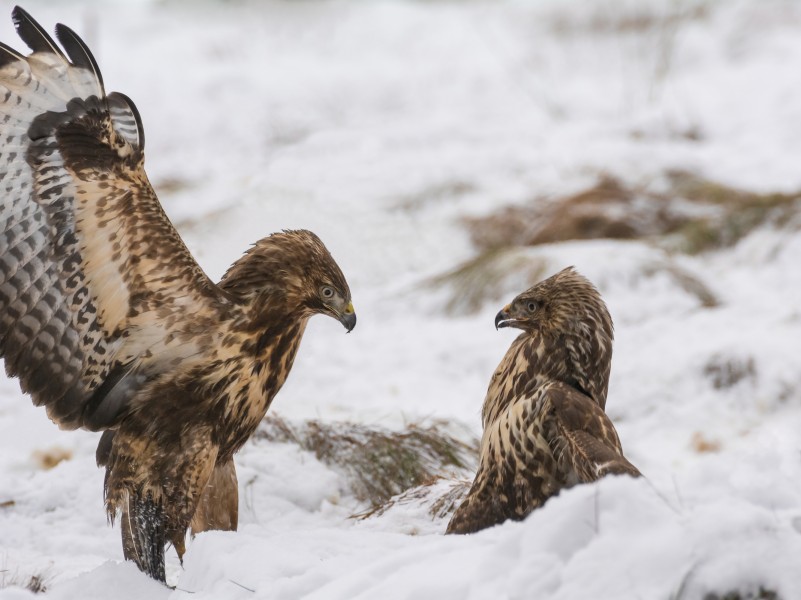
(545, 428)
(108, 321)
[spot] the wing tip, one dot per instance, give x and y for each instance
(32, 33)
(78, 51)
(18, 15)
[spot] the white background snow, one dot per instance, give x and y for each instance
(379, 125)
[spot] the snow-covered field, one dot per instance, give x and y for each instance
(379, 125)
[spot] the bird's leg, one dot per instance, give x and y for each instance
(144, 536)
(218, 507)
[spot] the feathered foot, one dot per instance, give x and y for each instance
(478, 511)
(144, 536)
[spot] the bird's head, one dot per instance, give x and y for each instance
(572, 327)
(295, 270)
(564, 304)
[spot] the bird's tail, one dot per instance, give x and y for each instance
(144, 535)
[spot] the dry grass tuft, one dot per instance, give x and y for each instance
(694, 213)
(33, 583)
(726, 372)
(607, 210)
(439, 503)
(691, 284)
(493, 275)
(739, 212)
(691, 214)
(487, 278)
(378, 463)
(702, 445)
(760, 594)
(36, 584)
(48, 459)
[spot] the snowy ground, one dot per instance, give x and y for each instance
(378, 125)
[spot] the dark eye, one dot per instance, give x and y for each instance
(327, 292)
(531, 306)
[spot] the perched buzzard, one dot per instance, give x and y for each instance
(544, 423)
(107, 319)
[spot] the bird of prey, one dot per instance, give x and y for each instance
(106, 318)
(545, 428)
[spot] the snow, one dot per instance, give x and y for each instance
(380, 126)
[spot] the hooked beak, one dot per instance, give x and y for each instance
(348, 317)
(502, 319)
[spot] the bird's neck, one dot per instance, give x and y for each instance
(588, 362)
(534, 360)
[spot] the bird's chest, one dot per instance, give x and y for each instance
(250, 390)
(526, 461)
(515, 437)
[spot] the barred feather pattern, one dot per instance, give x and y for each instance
(50, 336)
(545, 428)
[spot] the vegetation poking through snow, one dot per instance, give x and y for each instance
(487, 277)
(378, 463)
(739, 212)
(498, 275)
(690, 214)
(726, 372)
(51, 457)
(608, 210)
(439, 496)
(761, 594)
(34, 583)
(696, 214)
(684, 279)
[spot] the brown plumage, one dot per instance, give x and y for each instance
(109, 322)
(544, 423)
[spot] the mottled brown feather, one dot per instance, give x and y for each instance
(544, 424)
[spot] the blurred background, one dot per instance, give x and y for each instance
(451, 154)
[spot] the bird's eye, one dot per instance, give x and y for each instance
(327, 292)
(531, 306)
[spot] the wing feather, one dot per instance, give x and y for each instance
(95, 282)
(581, 436)
(126, 120)
(80, 55)
(32, 33)
(8, 55)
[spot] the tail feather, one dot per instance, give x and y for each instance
(144, 536)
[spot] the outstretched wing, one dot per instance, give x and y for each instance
(581, 436)
(95, 282)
